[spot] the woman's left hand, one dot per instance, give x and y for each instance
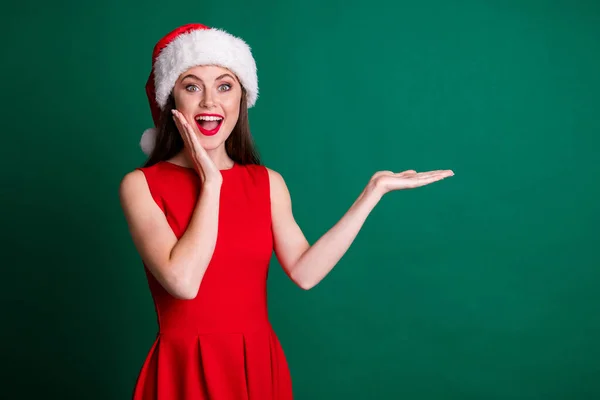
(386, 181)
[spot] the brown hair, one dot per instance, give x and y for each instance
(239, 145)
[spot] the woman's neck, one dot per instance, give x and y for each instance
(182, 159)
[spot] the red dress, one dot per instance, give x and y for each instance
(219, 345)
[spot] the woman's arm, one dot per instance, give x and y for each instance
(307, 265)
(178, 265)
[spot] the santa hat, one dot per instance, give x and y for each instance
(189, 46)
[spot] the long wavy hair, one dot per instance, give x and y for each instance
(239, 145)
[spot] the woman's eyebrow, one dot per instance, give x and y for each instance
(198, 79)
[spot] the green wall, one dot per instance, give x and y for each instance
(482, 286)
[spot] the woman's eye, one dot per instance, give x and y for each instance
(225, 85)
(192, 88)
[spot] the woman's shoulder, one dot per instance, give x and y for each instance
(276, 183)
(265, 174)
(134, 178)
(270, 172)
(132, 185)
(263, 169)
(273, 174)
(139, 179)
(137, 176)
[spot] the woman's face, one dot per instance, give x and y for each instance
(209, 97)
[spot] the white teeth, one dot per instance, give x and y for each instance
(206, 118)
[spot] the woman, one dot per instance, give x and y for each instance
(206, 216)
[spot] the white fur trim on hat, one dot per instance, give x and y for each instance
(148, 140)
(205, 47)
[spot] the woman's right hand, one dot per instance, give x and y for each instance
(207, 170)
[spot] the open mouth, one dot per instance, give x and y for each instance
(209, 124)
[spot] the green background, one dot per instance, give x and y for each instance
(481, 286)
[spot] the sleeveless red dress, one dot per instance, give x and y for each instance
(219, 345)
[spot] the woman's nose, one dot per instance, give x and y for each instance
(207, 100)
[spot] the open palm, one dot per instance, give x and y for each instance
(386, 181)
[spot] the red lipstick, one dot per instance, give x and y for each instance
(209, 132)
